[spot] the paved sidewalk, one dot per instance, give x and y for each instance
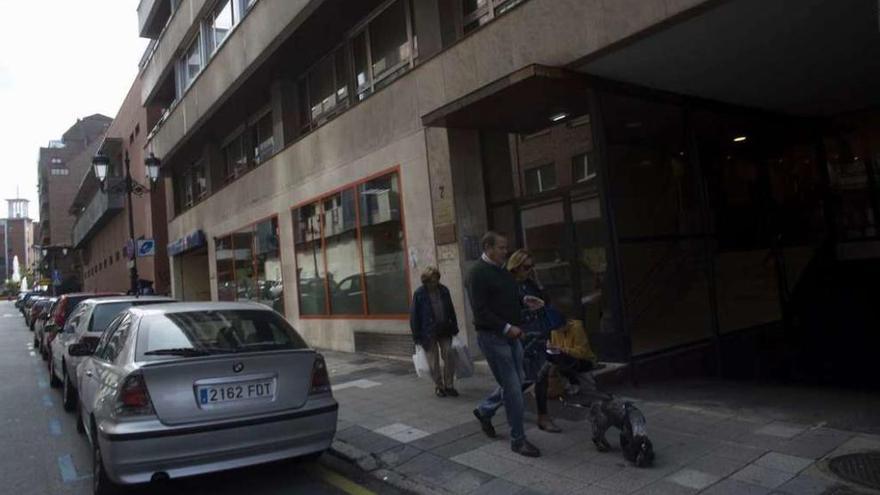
(392, 425)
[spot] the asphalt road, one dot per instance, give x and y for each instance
(42, 454)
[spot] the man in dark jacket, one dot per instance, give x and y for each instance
(433, 324)
(495, 300)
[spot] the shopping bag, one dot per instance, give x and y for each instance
(464, 366)
(420, 361)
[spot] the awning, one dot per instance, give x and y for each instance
(524, 101)
(194, 240)
(800, 57)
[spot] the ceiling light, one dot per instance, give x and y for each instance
(739, 139)
(558, 116)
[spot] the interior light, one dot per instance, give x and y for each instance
(558, 116)
(739, 139)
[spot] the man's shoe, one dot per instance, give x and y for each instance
(451, 392)
(486, 424)
(440, 392)
(524, 448)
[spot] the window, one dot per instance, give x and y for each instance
(263, 138)
(350, 252)
(56, 161)
(235, 155)
(581, 168)
(219, 24)
(476, 13)
(540, 179)
(249, 265)
(60, 170)
(327, 87)
(190, 65)
(192, 185)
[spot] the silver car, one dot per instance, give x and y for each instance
(183, 389)
(86, 324)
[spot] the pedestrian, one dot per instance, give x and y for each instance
(496, 303)
(433, 324)
(536, 330)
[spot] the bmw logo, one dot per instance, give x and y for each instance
(237, 367)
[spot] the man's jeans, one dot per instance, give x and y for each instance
(505, 358)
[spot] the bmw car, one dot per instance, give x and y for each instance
(176, 390)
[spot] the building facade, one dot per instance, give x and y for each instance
(322, 153)
(17, 238)
(100, 234)
(61, 168)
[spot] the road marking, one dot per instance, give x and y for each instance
(33, 354)
(55, 427)
(68, 470)
(47, 401)
(42, 383)
(363, 384)
(341, 482)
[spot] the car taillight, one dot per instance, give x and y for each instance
(320, 378)
(133, 398)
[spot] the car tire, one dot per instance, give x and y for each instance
(68, 393)
(36, 343)
(101, 484)
(54, 382)
(44, 352)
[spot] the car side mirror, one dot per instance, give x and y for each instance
(80, 350)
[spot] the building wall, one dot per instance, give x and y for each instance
(386, 131)
(104, 263)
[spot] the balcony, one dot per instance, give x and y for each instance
(97, 212)
(152, 17)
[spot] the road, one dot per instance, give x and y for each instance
(42, 454)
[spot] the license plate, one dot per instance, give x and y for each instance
(235, 392)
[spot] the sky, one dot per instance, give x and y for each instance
(59, 60)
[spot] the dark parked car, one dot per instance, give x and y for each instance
(40, 321)
(31, 310)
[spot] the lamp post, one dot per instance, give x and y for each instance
(101, 165)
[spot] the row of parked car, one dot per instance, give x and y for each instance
(165, 389)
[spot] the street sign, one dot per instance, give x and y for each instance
(146, 247)
(56, 277)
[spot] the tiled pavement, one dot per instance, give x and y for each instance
(391, 423)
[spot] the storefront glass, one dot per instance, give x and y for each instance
(356, 237)
(249, 265)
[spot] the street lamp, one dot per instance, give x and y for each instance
(101, 164)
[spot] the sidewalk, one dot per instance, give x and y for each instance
(393, 426)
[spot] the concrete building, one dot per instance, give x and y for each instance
(16, 238)
(677, 167)
(100, 234)
(62, 166)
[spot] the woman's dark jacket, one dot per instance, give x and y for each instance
(421, 317)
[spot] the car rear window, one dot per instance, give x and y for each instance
(104, 313)
(217, 332)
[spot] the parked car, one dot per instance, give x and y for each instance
(31, 310)
(23, 299)
(176, 390)
(62, 311)
(44, 311)
(86, 325)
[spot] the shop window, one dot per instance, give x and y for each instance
(249, 265)
(582, 169)
(540, 179)
(356, 237)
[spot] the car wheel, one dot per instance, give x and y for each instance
(44, 352)
(36, 343)
(54, 382)
(101, 484)
(69, 394)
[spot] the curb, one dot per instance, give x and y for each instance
(372, 465)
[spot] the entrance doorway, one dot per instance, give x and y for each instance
(193, 276)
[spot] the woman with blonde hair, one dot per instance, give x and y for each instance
(433, 323)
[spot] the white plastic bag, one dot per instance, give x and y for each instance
(420, 361)
(464, 366)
